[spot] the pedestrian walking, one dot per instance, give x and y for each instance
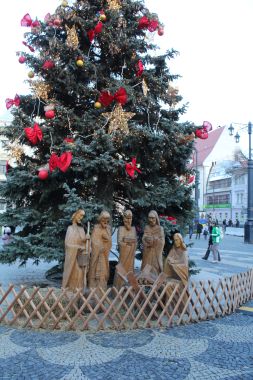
(215, 242)
(199, 230)
(190, 231)
(205, 232)
(210, 242)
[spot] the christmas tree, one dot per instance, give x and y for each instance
(100, 129)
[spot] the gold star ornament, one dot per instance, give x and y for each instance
(118, 119)
(114, 5)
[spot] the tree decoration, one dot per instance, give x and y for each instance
(139, 68)
(72, 38)
(27, 21)
(12, 102)
(93, 32)
(114, 5)
(102, 16)
(172, 94)
(16, 150)
(30, 74)
(22, 59)
(63, 162)
(29, 47)
(43, 174)
(202, 133)
(120, 96)
(34, 135)
(40, 89)
(150, 24)
(79, 62)
(118, 119)
(48, 64)
(97, 105)
(50, 114)
(131, 168)
(145, 88)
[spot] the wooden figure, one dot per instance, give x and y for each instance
(127, 242)
(77, 251)
(101, 243)
(153, 244)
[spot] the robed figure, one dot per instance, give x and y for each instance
(77, 244)
(127, 242)
(101, 243)
(176, 267)
(153, 244)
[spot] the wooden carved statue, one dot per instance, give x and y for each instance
(77, 250)
(176, 267)
(127, 242)
(101, 243)
(176, 263)
(153, 244)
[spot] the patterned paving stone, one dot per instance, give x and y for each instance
(28, 338)
(139, 369)
(200, 330)
(29, 366)
(127, 339)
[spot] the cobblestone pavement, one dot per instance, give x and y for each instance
(219, 349)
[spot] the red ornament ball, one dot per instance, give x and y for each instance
(50, 114)
(57, 22)
(22, 59)
(43, 174)
(160, 32)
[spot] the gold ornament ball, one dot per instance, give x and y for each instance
(97, 105)
(64, 3)
(80, 63)
(102, 17)
(30, 74)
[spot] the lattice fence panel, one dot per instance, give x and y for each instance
(161, 305)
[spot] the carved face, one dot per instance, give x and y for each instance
(177, 241)
(104, 222)
(127, 221)
(152, 221)
(79, 216)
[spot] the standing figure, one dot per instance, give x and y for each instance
(77, 244)
(101, 243)
(153, 244)
(199, 230)
(127, 242)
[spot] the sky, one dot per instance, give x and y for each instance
(213, 37)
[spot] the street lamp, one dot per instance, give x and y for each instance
(248, 226)
(231, 130)
(196, 184)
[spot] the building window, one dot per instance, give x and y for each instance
(218, 199)
(219, 184)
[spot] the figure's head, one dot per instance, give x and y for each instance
(178, 241)
(127, 219)
(78, 216)
(153, 218)
(104, 219)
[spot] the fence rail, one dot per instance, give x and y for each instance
(160, 305)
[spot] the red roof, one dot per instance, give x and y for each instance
(205, 147)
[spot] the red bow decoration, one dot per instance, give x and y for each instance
(48, 65)
(34, 134)
(171, 219)
(145, 23)
(140, 68)
(29, 47)
(202, 133)
(12, 102)
(131, 168)
(120, 96)
(69, 140)
(27, 21)
(92, 32)
(190, 179)
(63, 162)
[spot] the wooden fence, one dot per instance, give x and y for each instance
(160, 305)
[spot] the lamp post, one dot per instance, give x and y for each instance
(196, 184)
(248, 226)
